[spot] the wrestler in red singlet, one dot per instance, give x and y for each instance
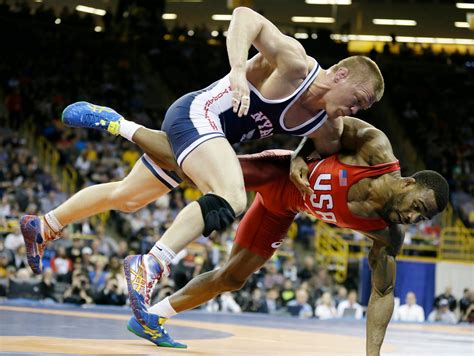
(278, 201)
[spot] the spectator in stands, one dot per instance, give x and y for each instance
(14, 239)
(50, 201)
(271, 301)
(299, 306)
(20, 260)
(466, 305)
(442, 313)
(62, 265)
(107, 245)
(350, 308)
(308, 270)
(410, 311)
(257, 303)
(289, 269)
(449, 297)
(47, 286)
(341, 295)
(228, 303)
(79, 291)
(87, 265)
(22, 286)
(111, 294)
(8, 253)
(325, 307)
(98, 277)
(287, 293)
(3, 265)
(272, 276)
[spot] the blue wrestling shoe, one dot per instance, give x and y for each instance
(153, 331)
(30, 226)
(86, 115)
(141, 272)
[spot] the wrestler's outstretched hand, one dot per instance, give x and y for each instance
(240, 91)
(299, 175)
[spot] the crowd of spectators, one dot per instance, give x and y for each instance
(436, 112)
(50, 65)
(445, 308)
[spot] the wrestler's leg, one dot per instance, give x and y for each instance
(139, 188)
(232, 276)
(381, 302)
(155, 143)
(213, 167)
(262, 226)
(264, 167)
(136, 190)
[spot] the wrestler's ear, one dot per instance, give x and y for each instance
(341, 74)
(408, 182)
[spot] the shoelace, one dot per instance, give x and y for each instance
(149, 288)
(95, 120)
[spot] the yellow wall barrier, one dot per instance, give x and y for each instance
(457, 243)
(332, 251)
(48, 157)
(335, 252)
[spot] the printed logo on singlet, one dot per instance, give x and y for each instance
(210, 102)
(342, 178)
(323, 200)
(277, 244)
(264, 125)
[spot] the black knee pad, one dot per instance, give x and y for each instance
(216, 212)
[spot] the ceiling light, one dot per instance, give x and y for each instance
(461, 24)
(309, 19)
(214, 33)
(169, 16)
(98, 29)
(57, 21)
(371, 38)
(329, 2)
(90, 10)
(221, 17)
(394, 22)
(402, 39)
(464, 5)
(301, 35)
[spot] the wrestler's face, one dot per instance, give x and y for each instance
(411, 203)
(346, 96)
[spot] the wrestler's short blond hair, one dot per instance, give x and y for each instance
(363, 69)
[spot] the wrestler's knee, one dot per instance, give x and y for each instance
(229, 281)
(237, 198)
(384, 275)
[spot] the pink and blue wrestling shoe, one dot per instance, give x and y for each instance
(153, 331)
(30, 226)
(86, 115)
(142, 272)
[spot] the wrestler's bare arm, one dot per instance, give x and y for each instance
(285, 54)
(387, 244)
(367, 141)
(247, 28)
(343, 133)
